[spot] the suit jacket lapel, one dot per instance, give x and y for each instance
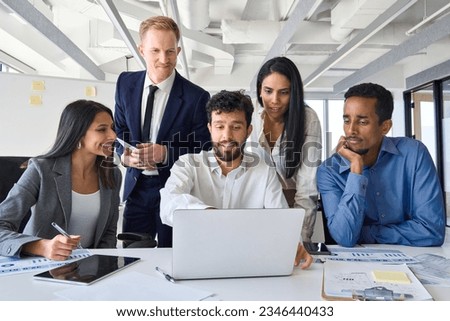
(134, 95)
(174, 105)
(63, 181)
(105, 205)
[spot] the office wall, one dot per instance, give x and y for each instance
(30, 107)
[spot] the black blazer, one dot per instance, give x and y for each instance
(183, 127)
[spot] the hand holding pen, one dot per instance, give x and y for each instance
(58, 248)
(63, 232)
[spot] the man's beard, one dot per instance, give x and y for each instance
(360, 151)
(229, 155)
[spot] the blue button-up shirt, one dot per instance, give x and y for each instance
(398, 200)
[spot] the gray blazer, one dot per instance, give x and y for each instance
(46, 188)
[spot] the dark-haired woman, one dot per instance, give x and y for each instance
(75, 184)
(289, 131)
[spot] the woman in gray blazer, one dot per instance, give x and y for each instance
(75, 185)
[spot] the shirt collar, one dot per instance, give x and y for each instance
(212, 162)
(165, 85)
(246, 163)
(388, 146)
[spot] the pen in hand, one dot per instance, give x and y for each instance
(167, 276)
(60, 230)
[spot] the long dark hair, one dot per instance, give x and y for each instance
(294, 118)
(75, 120)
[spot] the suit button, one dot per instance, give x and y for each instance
(8, 251)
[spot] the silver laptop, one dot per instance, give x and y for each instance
(230, 243)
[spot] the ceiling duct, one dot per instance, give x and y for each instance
(244, 32)
(194, 14)
(348, 15)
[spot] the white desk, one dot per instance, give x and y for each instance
(302, 285)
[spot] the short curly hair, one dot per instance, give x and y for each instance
(385, 101)
(230, 101)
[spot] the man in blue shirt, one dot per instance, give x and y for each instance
(378, 189)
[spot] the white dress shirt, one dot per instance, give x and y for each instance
(196, 182)
(159, 107)
(304, 180)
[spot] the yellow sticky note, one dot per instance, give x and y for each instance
(391, 277)
(38, 85)
(35, 100)
(90, 91)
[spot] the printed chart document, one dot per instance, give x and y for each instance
(13, 265)
(433, 269)
(366, 254)
(371, 281)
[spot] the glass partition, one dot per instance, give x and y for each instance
(446, 141)
(424, 116)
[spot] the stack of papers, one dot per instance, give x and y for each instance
(432, 269)
(352, 281)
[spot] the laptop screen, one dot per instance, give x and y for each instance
(227, 243)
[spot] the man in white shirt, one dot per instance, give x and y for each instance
(225, 177)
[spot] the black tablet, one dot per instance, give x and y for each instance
(87, 270)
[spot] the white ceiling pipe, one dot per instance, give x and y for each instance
(194, 14)
(428, 19)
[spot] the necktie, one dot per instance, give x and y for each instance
(148, 114)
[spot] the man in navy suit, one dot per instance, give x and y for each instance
(178, 125)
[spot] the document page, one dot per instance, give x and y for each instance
(432, 269)
(13, 265)
(366, 254)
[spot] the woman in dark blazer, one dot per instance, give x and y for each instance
(75, 185)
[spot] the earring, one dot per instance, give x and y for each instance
(79, 145)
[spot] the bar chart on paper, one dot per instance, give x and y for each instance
(366, 254)
(14, 265)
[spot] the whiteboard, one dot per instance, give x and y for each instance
(29, 130)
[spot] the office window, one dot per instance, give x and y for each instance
(427, 115)
(446, 137)
(318, 107)
(425, 119)
(330, 116)
(335, 123)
